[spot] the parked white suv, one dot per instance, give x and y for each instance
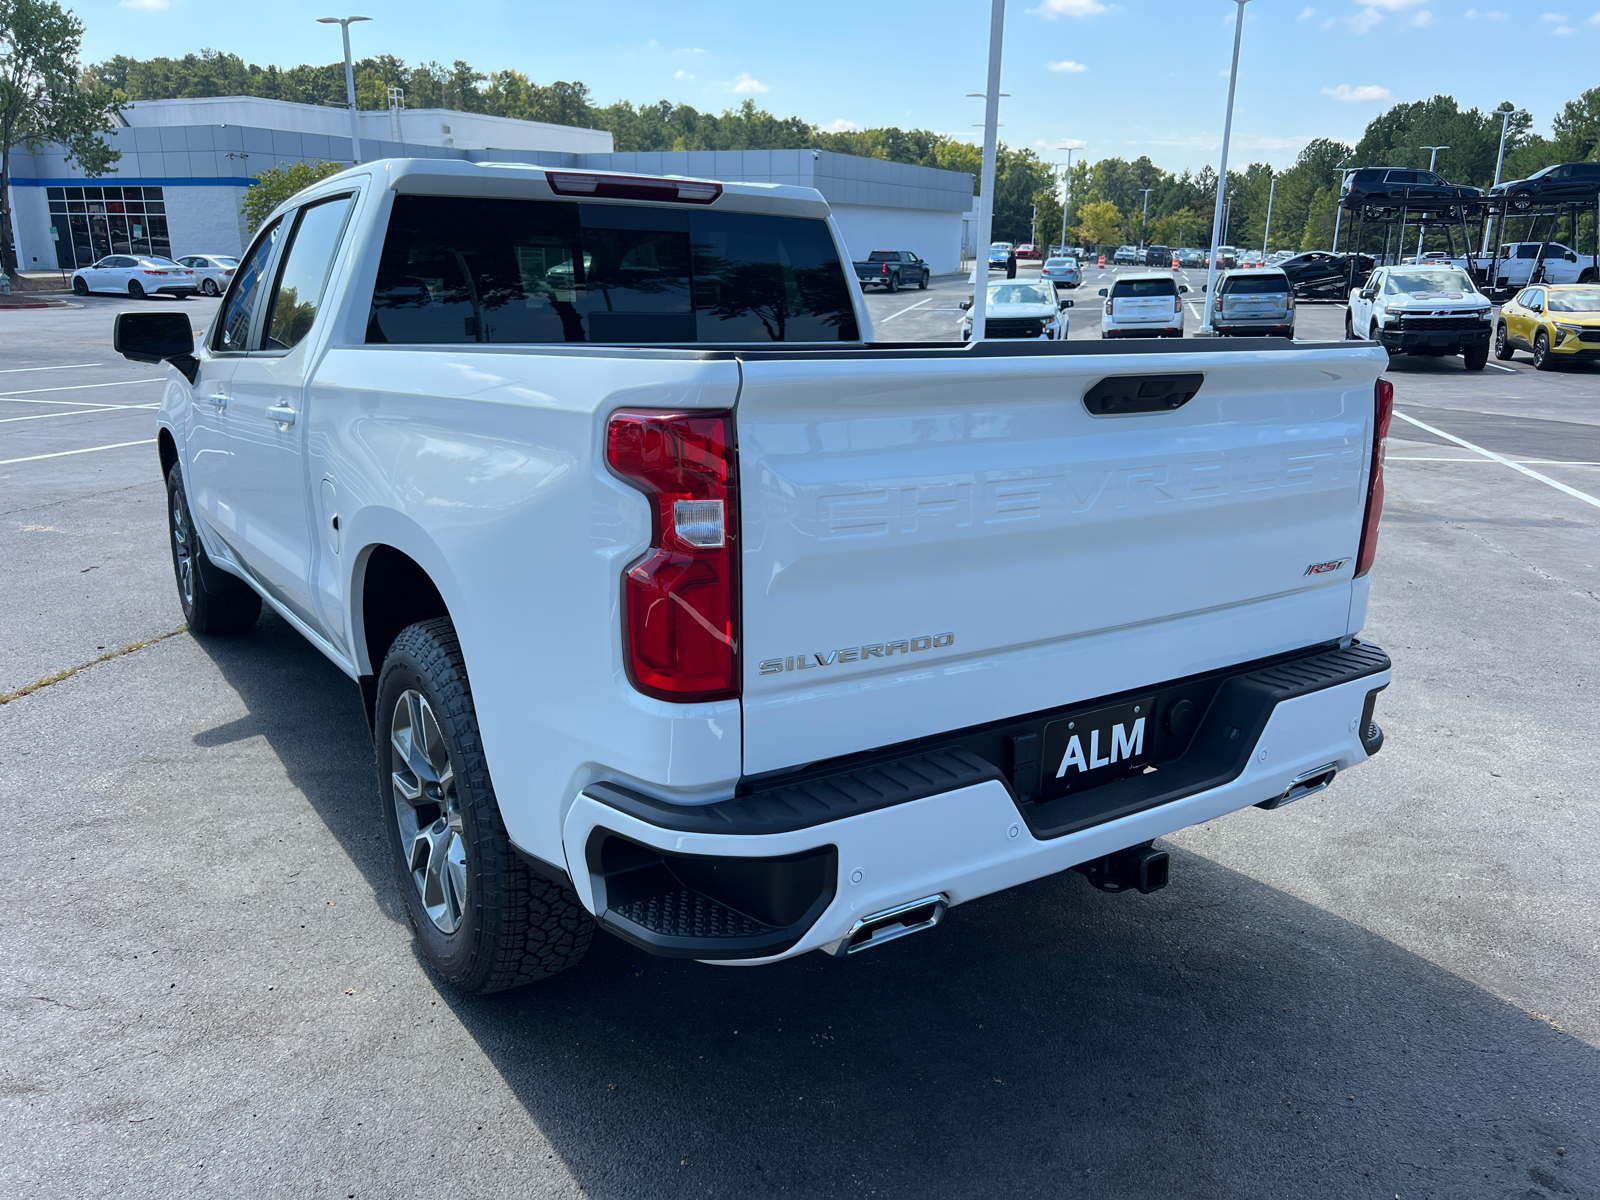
(1429, 311)
(1145, 305)
(683, 609)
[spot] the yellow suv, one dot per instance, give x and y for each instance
(1555, 322)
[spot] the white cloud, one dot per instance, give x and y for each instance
(1328, 24)
(1555, 18)
(1473, 14)
(1365, 92)
(1594, 20)
(841, 126)
(147, 5)
(1068, 67)
(1306, 13)
(1390, 5)
(1563, 30)
(1051, 9)
(681, 74)
(1364, 20)
(1422, 20)
(1061, 144)
(746, 84)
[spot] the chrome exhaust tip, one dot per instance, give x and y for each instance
(893, 923)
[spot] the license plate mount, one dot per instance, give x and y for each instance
(1084, 750)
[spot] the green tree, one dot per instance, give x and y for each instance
(276, 184)
(43, 99)
(1100, 223)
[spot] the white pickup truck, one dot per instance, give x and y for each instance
(1517, 260)
(683, 608)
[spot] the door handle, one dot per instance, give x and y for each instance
(282, 414)
(219, 400)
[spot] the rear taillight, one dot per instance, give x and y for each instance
(1383, 413)
(680, 602)
(1177, 304)
(885, 268)
(1291, 301)
(1108, 306)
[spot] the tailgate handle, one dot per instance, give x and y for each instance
(1125, 395)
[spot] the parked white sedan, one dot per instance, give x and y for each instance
(211, 271)
(135, 275)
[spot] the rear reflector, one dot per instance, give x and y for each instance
(632, 187)
(1383, 413)
(680, 622)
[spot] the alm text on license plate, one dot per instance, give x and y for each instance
(1086, 749)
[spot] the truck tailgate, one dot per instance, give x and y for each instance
(931, 540)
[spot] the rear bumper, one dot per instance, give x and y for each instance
(814, 855)
(1256, 328)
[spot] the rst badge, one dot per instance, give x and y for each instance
(1095, 747)
(1326, 568)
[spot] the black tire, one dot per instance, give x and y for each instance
(1522, 201)
(79, 286)
(135, 289)
(513, 926)
(923, 286)
(209, 287)
(1503, 350)
(1476, 357)
(1586, 276)
(212, 600)
(1543, 360)
(894, 283)
(1349, 327)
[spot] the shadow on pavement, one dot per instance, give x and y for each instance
(1220, 1038)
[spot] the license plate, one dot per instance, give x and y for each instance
(1092, 748)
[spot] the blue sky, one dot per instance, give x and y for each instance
(1129, 78)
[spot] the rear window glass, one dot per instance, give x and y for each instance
(884, 256)
(462, 269)
(1254, 285)
(1144, 287)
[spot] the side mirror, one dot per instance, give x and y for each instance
(1102, 291)
(1571, 256)
(1064, 305)
(152, 337)
(965, 304)
(1184, 287)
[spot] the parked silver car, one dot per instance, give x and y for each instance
(1253, 303)
(1063, 272)
(211, 271)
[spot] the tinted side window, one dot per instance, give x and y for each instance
(305, 271)
(478, 270)
(233, 330)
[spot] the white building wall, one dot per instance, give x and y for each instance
(934, 234)
(30, 229)
(205, 220)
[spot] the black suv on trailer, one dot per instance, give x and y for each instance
(1563, 183)
(1382, 189)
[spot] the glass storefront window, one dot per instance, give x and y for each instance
(92, 222)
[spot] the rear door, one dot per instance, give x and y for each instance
(931, 541)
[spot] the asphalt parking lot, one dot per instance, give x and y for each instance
(1388, 989)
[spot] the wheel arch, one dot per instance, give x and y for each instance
(167, 448)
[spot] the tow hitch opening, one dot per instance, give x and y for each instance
(1142, 867)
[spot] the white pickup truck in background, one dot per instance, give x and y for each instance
(682, 607)
(1517, 261)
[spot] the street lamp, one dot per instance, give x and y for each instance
(1066, 199)
(1421, 228)
(1272, 188)
(344, 24)
(1222, 171)
(1146, 217)
(991, 125)
(1499, 161)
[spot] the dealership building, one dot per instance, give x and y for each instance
(185, 165)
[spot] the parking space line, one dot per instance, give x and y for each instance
(74, 387)
(1532, 462)
(1500, 458)
(918, 304)
(78, 412)
(1498, 367)
(64, 367)
(6, 462)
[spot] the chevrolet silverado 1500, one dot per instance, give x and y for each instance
(683, 608)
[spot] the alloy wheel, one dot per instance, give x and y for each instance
(209, 287)
(182, 550)
(427, 809)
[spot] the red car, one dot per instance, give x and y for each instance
(1028, 250)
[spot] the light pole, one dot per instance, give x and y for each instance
(344, 24)
(991, 126)
(1066, 200)
(1499, 161)
(1272, 189)
(1421, 228)
(1145, 217)
(1222, 171)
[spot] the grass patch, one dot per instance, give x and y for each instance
(27, 688)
